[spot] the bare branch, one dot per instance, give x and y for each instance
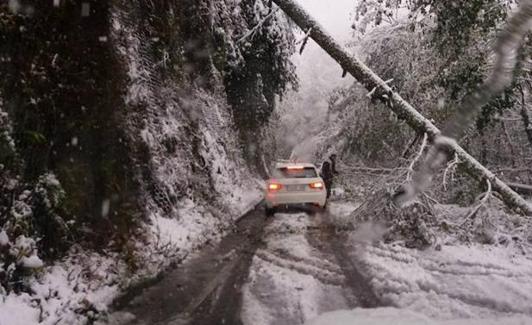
(416, 158)
(451, 167)
(304, 41)
(474, 211)
(344, 73)
(407, 149)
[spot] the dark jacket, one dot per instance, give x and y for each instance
(326, 171)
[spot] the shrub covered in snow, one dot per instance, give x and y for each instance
(31, 226)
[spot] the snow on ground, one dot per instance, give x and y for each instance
(198, 224)
(395, 316)
(457, 284)
(74, 290)
(339, 212)
(290, 281)
(69, 292)
(83, 285)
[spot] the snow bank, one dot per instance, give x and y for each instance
(381, 316)
(72, 291)
(17, 310)
(81, 287)
(449, 283)
(470, 282)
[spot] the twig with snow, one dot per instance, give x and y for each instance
(372, 91)
(252, 31)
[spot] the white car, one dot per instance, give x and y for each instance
(294, 184)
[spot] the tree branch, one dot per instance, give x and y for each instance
(398, 105)
(450, 167)
(416, 158)
(474, 211)
(304, 41)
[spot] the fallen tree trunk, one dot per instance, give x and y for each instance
(396, 103)
(523, 189)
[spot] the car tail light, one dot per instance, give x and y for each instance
(316, 185)
(272, 187)
(295, 167)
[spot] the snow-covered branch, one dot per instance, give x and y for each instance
(251, 33)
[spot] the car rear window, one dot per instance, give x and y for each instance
(306, 172)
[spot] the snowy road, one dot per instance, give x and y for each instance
(282, 270)
(204, 289)
(294, 267)
(301, 273)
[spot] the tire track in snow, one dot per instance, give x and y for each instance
(332, 243)
(206, 289)
(290, 281)
(322, 263)
(481, 285)
(324, 276)
(457, 267)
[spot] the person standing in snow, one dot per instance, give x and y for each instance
(328, 170)
(326, 174)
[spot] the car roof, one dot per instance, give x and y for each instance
(293, 164)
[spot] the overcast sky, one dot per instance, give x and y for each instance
(315, 67)
(318, 73)
(334, 15)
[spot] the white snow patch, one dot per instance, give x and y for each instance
(185, 232)
(31, 262)
(4, 240)
(17, 310)
(472, 282)
(66, 293)
(340, 212)
(389, 315)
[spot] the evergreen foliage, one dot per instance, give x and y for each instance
(71, 164)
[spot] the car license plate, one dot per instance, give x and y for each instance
(295, 188)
